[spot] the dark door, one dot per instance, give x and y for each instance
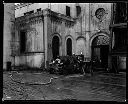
(22, 41)
(96, 55)
(69, 47)
(55, 47)
(104, 55)
(100, 53)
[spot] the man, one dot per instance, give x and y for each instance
(58, 59)
(91, 66)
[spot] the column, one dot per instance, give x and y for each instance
(63, 38)
(47, 37)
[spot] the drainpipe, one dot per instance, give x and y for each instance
(43, 41)
(111, 33)
(89, 31)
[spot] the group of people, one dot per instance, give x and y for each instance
(76, 64)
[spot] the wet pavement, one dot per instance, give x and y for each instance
(44, 86)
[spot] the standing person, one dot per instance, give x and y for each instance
(91, 67)
(75, 62)
(66, 65)
(58, 59)
(80, 61)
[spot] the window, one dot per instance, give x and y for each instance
(120, 39)
(22, 42)
(78, 10)
(31, 12)
(38, 9)
(25, 13)
(121, 12)
(100, 13)
(67, 10)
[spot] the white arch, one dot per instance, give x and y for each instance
(98, 34)
(60, 41)
(57, 34)
(66, 38)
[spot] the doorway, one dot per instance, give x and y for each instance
(55, 47)
(69, 47)
(100, 53)
(100, 50)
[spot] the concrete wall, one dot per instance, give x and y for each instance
(8, 33)
(34, 53)
(32, 60)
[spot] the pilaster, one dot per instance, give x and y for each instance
(47, 37)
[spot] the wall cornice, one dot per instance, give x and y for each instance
(21, 5)
(49, 13)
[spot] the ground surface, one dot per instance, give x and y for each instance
(27, 85)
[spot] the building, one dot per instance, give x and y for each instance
(43, 31)
(8, 31)
(119, 35)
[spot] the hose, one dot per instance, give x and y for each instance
(11, 76)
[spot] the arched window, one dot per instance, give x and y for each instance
(22, 41)
(78, 10)
(55, 46)
(69, 47)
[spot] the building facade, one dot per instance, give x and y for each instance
(119, 35)
(43, 31)
(8, 31)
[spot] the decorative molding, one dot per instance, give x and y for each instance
(94, 10)
(80, 37)
(98, 34)
(21, 5)
(68, 36)
(30, 16)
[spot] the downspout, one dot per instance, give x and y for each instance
(111, 37)
(43, 41)
(90, 47)
(89, 18)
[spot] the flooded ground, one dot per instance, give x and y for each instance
(44, 86)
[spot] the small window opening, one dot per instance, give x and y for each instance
(78, 10)
(22, 42)
(67, 10)
(38, 9)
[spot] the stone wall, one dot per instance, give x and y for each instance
(81, 30)
(34, 49)
(8, 33)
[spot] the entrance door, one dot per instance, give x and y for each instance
(101, 54)
(55, 47)
(100, 50)
(104, 55)
(96, 55)
(69, 47)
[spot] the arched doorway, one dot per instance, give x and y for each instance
(69, 47)
(55, 47)
(100, 50)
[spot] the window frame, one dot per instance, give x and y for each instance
(68, 9)
(78, 10)
(22, 42)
